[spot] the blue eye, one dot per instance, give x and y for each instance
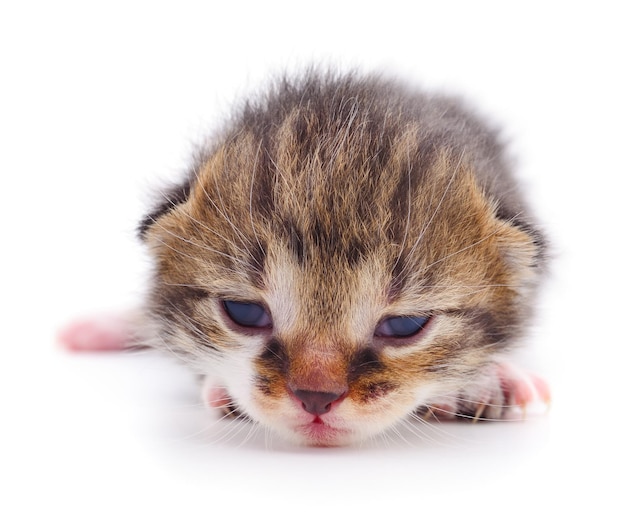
(247, 314)
(401, 327)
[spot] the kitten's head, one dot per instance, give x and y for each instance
(341, 257)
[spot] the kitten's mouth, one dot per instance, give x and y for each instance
(319, 433)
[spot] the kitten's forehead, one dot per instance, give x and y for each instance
(337, 221)
(345, 197)
(331, 302)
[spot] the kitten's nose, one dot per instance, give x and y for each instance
(317, 403)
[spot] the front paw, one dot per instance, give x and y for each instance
(105, 332)
(503, 393)
(217, 397)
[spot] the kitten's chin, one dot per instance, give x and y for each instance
(318, 433)
(323, 432)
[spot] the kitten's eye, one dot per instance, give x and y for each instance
(401, 327)
(247, 314)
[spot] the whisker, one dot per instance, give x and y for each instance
(253, 430)
(221, 210)
(482, 286)
(435, 212)
(250, 211)
(421, 433)
(407, 226)
(166, 345)
(199, 224)
(464, 249)
(191, 242)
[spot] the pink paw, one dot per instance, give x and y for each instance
(217, 397)
(521, 388)
(102, 333)
(503, 393)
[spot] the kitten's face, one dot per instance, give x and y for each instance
(329, 291)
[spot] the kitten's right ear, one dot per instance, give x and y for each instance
(170, 199)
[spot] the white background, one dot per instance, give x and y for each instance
(99, 102)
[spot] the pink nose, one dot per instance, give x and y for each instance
(317, 403)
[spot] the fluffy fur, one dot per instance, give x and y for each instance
(336, 202)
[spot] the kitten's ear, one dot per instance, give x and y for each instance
(169, 200)
(523, 250)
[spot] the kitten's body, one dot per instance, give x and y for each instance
(346, 252)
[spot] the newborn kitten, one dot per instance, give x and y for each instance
(346, 253)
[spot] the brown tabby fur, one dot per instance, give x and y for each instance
(336, 201)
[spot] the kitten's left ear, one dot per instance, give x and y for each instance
(523, 249)
(169, 200)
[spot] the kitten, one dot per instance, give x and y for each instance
(348, 252)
